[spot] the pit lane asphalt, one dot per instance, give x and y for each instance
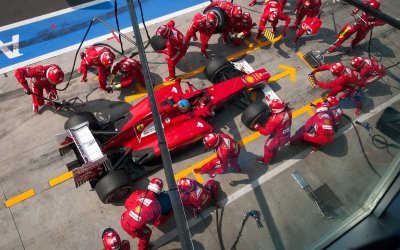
(29, 158)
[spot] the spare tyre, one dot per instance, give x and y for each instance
(216, 66)
(113, 187)
(256, 112)
(82, 117)
(158, 43)
(222, 17)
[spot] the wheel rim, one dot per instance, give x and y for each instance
(118, 194)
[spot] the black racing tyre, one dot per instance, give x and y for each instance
(256, 112)
(113, 187)
(222, 17)
(81, 117)
(215, 66)
(158, 43)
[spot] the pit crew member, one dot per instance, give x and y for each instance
(143, 208)
(282, 2)
(305, 8)
(129, 68)
(278, 129)
(318, 129)
(370, 69)
(100, 57)
(363, 25)
(334, 109)
(43, 77)
(197, 197)
(227, 150)
(241, 29)
(272, 13)
(176, 46)
(205, 24)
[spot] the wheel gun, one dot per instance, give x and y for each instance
(365, 125)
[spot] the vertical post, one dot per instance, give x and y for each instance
(182, 227)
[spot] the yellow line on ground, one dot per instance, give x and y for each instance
(248, 43)
(19, 198)
(299, 54)
(61, 178)
(188, 170)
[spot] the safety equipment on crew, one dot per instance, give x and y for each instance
(107, 58)
(211, 140)
(246, 18)
(321, 107)
(111, 239)
(185, 185)
(333, 101)
(236, 12)
(357, 62)
(211, 19)
(183, 105)
(155, 185)
(55, 75)
(163, 31)
(337, 69)
(277, 106)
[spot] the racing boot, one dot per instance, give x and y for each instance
(261, 161)
(171, 70)
(35, 109)
(204, 52)
(252, 3)
(258, 36)
(296, 40)
(293, 26)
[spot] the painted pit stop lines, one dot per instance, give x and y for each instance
(142, 92)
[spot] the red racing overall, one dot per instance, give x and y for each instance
(200, 197)
(134, 70)
(199, 25)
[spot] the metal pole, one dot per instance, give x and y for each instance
(183, 230)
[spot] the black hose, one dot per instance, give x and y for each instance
(362, 146)
(145, 28)
(117, 22)
(219, 227)
(76, 55)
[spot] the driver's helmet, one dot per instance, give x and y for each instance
(183, 105)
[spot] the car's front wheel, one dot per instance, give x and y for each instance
(113, 187)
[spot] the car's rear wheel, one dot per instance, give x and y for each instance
(257, 112)
(158, 43)
(113, 187)
(82, 117)
(222, 17)
(214, 67)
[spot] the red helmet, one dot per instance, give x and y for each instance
(374, 4)
(337, 69)
(211, 140)
(111, 239)
(126, 66)
(357, 62)
(185, 185)
(246, 18)
(155, 185)
(277, 106)
(211, 19)
(107, 58)
(54, 74)
(321, 107)
(273, 16)
(333, 101)
(307, 3)
(163, 31)
(236, 12)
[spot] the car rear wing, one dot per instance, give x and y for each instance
(91, 159)
(244, 66)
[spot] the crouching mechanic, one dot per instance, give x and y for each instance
(143, 208)
(197, 197)
(100, 57)
(111, 240)
(228, 151)
(318, 129)
(43, 77)
(370, 69)
(335, 110)
(129, 68)
(278, 129)
(273, 13)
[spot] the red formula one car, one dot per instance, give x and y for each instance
(108, 153)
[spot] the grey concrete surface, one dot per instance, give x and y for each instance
(64, 217)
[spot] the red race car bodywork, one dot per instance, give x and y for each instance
(181, 129)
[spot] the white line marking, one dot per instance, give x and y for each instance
(168, 237)
(53, 14)
(97, 39)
